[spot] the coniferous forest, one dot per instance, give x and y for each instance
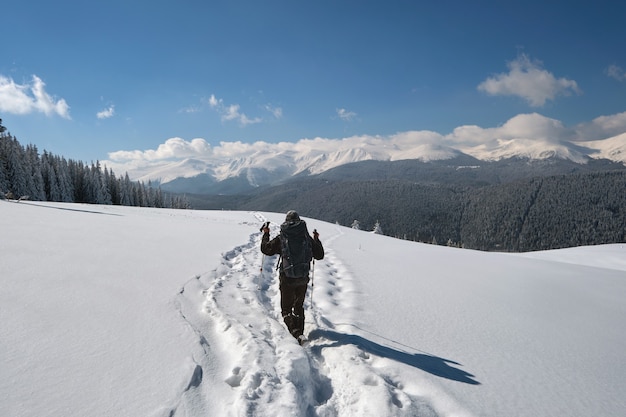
(26, 174)
(531, 214)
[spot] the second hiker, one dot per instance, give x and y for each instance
(297, 248)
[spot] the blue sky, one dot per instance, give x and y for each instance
(84, 79)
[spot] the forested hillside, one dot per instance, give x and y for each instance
(525, 215)
(547, 213)
(25, 174)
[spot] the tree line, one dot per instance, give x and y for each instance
(27, 174)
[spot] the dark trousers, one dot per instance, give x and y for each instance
(292, 306)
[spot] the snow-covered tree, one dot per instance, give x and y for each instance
(62, 170)
(4, 182)
(16, 170)
(50, 178)
(356, 225)
(33, 167)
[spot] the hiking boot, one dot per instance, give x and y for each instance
(302, 340)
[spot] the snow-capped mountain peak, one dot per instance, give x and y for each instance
(613, 148)
(530, 149)
(186, 168)
(267, 166)
(530, 136)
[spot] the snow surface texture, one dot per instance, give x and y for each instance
(118, 311)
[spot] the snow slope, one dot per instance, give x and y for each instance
(109, 311)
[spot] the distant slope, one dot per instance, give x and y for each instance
(465, 170)
(473, 208)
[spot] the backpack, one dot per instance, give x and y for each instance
(296, 249)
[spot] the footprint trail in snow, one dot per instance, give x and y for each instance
(239, 326)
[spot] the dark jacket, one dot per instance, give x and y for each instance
(273, 247)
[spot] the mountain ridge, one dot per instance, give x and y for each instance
(265, 168)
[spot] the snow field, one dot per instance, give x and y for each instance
(108, 311)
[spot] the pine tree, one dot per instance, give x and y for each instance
(33, 166)
(62, 170)
(50, 178)
(4, 182)
(126, 195)
(112, 185)
(15, 169)
(101, 190)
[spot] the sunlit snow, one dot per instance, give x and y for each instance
(118, 311)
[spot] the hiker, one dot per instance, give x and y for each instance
(297, 248)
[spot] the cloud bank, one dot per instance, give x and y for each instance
(529, 134)
(29, 98)
(528, 80)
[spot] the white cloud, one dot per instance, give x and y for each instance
(29, 98)
(173, 148)
(528, 80)
(214, 102)
(231, 112)
(535, 127)
(346, 115)
(277, 112)
(602, 127)
(532, 127)
(616, 72)
(190, 109)
(106, 113)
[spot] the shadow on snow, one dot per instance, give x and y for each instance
(432, 364)
(72, 209)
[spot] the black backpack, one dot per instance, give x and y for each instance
(296, 250)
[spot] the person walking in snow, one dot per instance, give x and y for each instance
(297, 249)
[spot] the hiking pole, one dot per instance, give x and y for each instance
(261, 273)
(313, 275)
(266, 224)
(312, 282)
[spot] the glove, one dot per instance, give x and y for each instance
(265, 228)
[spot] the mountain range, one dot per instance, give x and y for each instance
(273, 165)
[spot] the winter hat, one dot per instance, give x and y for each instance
(292, 216)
